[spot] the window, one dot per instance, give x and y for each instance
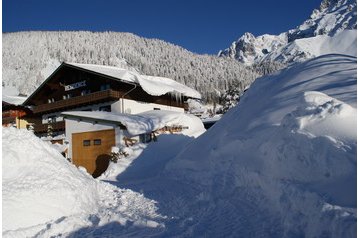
(86, 142)
(105, 87)
(156, 108)
(97, 142)
(86, 91)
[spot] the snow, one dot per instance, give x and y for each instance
(11, 95)
(344, 42)
(153, 85)
(283, 158)
(145, 122)
(280, 164)
(321, 34)
(321, 115)
(45, 195)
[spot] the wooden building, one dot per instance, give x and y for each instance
(91, 135)
(85, 87)
(14, 115)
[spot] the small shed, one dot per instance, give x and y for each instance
(91, 135)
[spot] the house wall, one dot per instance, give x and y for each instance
(74, 126)
(21, 123)
(134, 107)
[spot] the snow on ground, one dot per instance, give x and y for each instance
(148, 160)
(44, 195)
(280, 164)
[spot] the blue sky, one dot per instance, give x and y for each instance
(197, 25)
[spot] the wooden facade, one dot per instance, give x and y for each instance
(91, 150)
(53, 96)
(71, 87)
(14, 115)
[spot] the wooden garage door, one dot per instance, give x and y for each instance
(91, 150)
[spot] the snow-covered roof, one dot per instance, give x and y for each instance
(10, 95)
(153, 85)
(135, 124)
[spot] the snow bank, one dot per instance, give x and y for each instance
(280, 164)
(321, 115)
(153, 85)
(45, 195)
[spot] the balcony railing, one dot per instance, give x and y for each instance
(8, 120)
(57, 126)
(102, 96)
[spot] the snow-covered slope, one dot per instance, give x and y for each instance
(249, 49)
(281, 164)
(332, 18)
(43, 195)
(29, 57)
(344, 42)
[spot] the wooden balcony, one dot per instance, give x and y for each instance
(96, 97)
(8, 120)
(42, 128)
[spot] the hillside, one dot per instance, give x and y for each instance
(29, 57)
(330, 20)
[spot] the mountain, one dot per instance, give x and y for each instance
(331, 19)
(29, 57)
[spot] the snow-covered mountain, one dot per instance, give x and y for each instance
(29, 57)
(304, 42)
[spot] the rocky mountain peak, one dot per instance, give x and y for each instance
(330, 18)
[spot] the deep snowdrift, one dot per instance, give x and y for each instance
(45, 195)
(282, 163)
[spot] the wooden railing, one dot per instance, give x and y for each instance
(106, 95)
(8, 120)
(57, 126)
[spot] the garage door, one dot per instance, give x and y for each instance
(91, 150)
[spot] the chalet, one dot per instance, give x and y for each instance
(86, 87)
(98, 107)
(14, 115)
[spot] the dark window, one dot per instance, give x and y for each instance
(105, 87)
(86, 142)
(156, 108)
(105, 108)
(86, 91)
(97, 142)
